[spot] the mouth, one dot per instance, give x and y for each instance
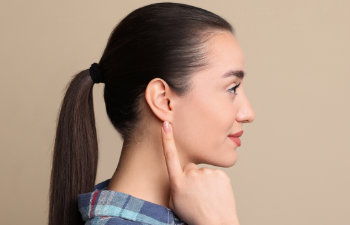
(235, 137)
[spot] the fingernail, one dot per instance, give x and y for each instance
(166, 126)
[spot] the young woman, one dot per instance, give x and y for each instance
(164, 64)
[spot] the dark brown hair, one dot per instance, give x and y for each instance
(164, 40)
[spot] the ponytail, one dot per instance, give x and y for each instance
(75, 156)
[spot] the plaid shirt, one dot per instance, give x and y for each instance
(107, 207)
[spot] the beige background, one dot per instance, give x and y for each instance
(293, 166)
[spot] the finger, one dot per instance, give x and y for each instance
(170, 153)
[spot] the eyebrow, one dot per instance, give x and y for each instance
(237, 73)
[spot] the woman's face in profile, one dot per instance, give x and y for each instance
(211, 111)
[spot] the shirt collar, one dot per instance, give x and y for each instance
(107, 203)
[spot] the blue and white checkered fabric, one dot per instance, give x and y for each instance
(107, 207)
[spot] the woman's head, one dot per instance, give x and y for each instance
(182, 51)
(163, 61)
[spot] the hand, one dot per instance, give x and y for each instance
(198, 196)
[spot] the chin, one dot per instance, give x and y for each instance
(226, 162)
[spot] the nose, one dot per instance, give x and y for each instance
(245, 113)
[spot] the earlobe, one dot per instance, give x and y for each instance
(158, 96)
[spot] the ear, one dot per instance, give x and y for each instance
(160, 99)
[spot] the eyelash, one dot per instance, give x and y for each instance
(234, 88)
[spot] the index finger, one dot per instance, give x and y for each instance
(170, 152)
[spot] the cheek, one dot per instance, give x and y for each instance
(201, 126)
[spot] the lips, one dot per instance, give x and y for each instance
(236, 140)
(238, 134)
(235, 137)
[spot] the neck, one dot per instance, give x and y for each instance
(142, 171)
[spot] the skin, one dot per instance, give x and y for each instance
(201, 122)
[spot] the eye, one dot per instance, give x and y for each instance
(234, 89)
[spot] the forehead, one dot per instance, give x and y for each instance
(225, 52)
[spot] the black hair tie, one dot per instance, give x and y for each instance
(95, 73)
